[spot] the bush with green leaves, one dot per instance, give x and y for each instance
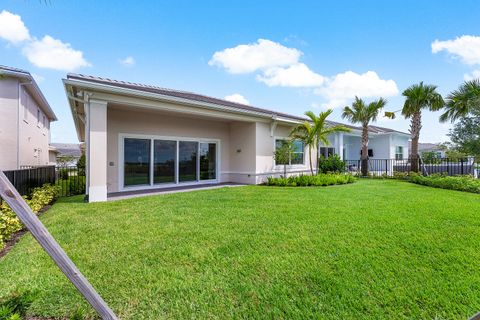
(9, 222)
(327, 179)
(16, 305)
(460, 183)
(331, 164)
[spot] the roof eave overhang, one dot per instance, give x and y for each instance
(86, 85)
(79, 124)
(41, 100)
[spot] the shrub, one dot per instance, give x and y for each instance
(308, 180)
(331, 164)
(9, 222)
(460, 183)
(81, 164)
(63, 174)
(16, 306)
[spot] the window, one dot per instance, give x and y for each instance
(136, 162)
(327, 152)
(398, 153)
(152, 162)
(38, 117)
(44, 121)
(298, 153)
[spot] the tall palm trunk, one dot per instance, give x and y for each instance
(364, 155)
(318, 157)
(415, 128)
(310, 156)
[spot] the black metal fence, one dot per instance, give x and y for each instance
(69, 179)
(448, 166)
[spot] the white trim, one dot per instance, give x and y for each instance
(297, 165)
(152, 185)
(97, 194)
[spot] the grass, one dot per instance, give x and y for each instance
(374, 249)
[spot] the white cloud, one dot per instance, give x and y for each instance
(46, 52)
(475, 74)
(343, 87)
(12, 27)
(280, 66)
(54, 54)
(296, 75)
(247, 58)
(465, 48)
(238, 98)
(128, 61)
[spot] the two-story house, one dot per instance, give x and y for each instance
(25, 118)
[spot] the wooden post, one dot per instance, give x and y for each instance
(48, 243)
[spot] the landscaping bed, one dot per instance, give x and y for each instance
(322, 179)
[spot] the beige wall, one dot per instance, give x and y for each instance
(8, 123)
(34, 134)
(265, 148)
(141, 122)
(246, 148)
(19, 130)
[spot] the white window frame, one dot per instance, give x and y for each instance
(397, 153)
(297, 165)
(177, 183)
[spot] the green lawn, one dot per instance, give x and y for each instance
(374, 249)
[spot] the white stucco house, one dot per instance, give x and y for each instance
(25, 118)
(141, 137)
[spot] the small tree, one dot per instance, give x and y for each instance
(81, 165)
(284, 153)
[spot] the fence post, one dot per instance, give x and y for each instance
(48, 243)
(461, 165)
(386, 167)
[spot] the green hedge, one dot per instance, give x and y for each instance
(461, 183)
(327, 179)
(9, 223)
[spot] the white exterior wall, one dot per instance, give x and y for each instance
(23, 140)
(399, 140)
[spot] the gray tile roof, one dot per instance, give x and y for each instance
(204, 98)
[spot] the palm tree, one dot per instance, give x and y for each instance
(363, 114)
(316, 131)
(418, 97)
(461, 102)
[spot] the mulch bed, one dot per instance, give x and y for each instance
(18, 235)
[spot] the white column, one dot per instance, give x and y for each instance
(340, 145)
(97, 150)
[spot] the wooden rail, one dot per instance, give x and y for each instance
(11, 196)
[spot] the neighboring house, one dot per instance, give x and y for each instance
(25, 118)
(144, 137)
(67, 153)
(436, 148)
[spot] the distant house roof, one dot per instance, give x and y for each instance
(206, 99)
(32, 88)
(67, 149)
(428, 146)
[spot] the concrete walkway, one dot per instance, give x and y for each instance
(157, 191)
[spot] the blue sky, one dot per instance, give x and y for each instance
(314, 54)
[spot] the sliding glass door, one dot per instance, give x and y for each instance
(187, 161)
(151, 162)
(136, 162)
(164, 158)
(208, 161)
